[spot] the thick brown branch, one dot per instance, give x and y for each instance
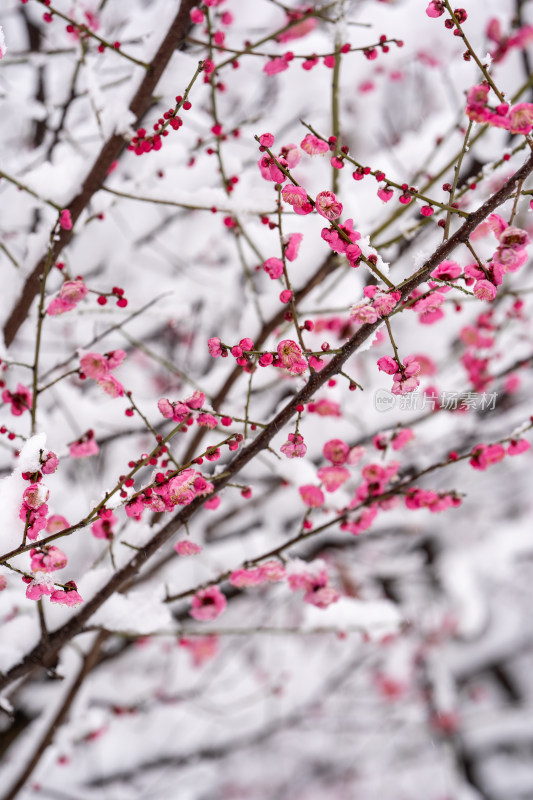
(110, 151)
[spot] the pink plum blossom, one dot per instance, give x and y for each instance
(208, 604)
(290, 356)
(187, 548)
(485, 290)
(67, 596)
(21, 400)
(312, 496)
(333, 477)
(273, 267)
(48, 559)
(336, 451)
(276, 65)
(49, 464)
(111, 386)
(294, 447)
(313, 145)
(518, 446)
(84, 447)
(296, 196)
(103, 527)
(65, 220)
(327, 205)
(293, 246)
(201, 648)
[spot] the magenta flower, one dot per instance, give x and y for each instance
(276, 65)
(273, 267)
(68, 596)
(21, 400)
(266, 139)
(103, 527)
(111, 386)
(485, 290)
(328, 206)
(208, 604)
(333, 477)
(65, 220)
(313, 145)
(336, 451)
(312, 496)
(294, 447)
(521, 118)
(290, 356)
(292, 246)
(85, 446)
(187, 548)
(214, 347)
(296, 196)
(48, 559)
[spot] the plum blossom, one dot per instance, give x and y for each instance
(49, 464)
(39, 586)
(47, 559)
(521, 118)
(103, 527)
(296, 196)
(187, 548)
(336, 451)
(327, 205)
(215, 349)
(70, 294)
(276, 65)
(94, 365)
(174, 411)
(447, 271)
(385, 193)
(208, 604)
(312, 496)
(404, 378)
(485, 290)
(65, 220)
(243, 578)
(35, 495)
(290, 355)
(484, 455)
(338, 244)
(435, 8)
(21, 400)
(266, 140)
(333, 477)
(364, 313)
(313, 145)
(294, 447)
(313, 578)
(292, 246)
(201, 648)
(433, 501)
(67, 596)
(111, 386)
(85, 446)
(518, 446)
(270, 170)
(273, 267)
(56, 523)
